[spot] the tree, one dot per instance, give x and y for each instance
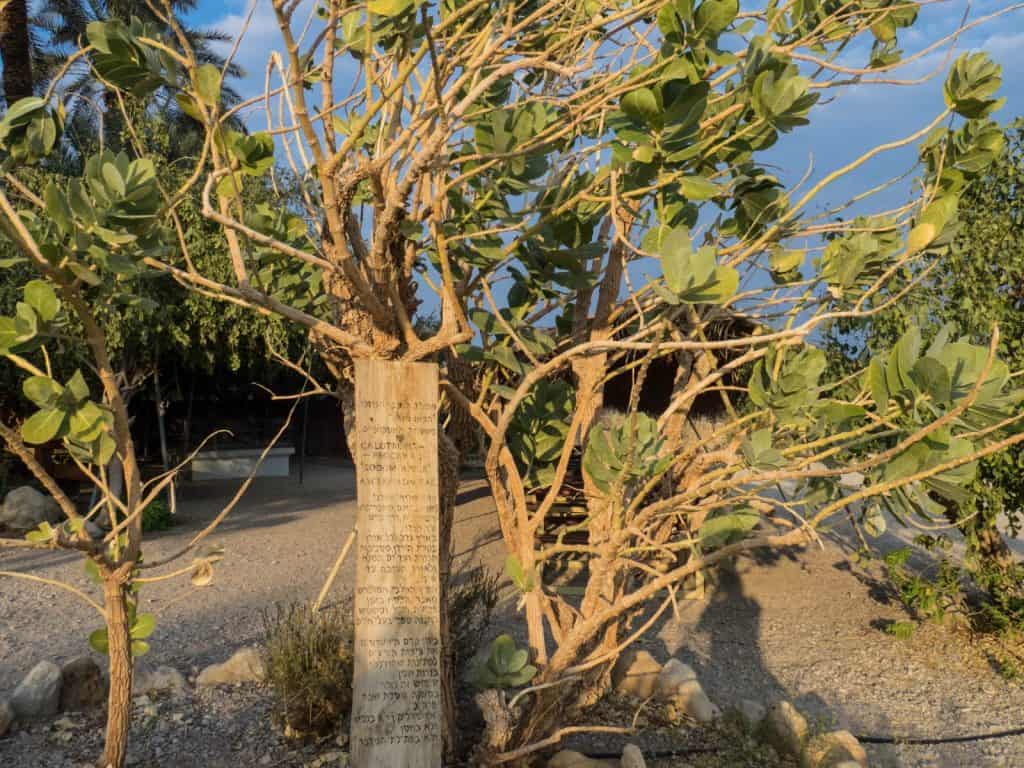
(529, 165)
(15, 47)
(974, 285)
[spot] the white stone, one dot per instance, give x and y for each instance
(632, 757)
(636, 674)
(38, 694)
(673, 675)
(833, 750)
(691, 699)
(25, 508)
(245, 666)
(159, 680)
(785, 729)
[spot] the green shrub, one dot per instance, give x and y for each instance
(157, 517)
(309, 666)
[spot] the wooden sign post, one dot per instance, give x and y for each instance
(396, 708)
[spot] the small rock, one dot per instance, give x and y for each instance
(245, 666)
(6, 716)
(752, 712)
(333, 758)
(567, 758)
(25, 508)
(632, 757)
(690, 698)
(673, 675)
(636, 674)
(159, 680)
(833, 750)
(265, 760)
(38, 694)
(785, 729)
(84, 687)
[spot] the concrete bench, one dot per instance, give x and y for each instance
(239, 462)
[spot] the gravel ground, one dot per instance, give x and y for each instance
(804, 626)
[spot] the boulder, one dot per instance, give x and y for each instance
(834, 750)
(632, 757)
(672, 676)
(38, 694)
(636, 674)
(569, 759)
(25, 508)
(83, 687)
(785, 729)
(6, 717)
(752, 712)
(689, 699)
(245, 666)
(163, 679)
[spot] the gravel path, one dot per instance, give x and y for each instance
(805, 626)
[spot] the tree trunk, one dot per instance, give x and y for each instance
(119, 700)
(15, 50)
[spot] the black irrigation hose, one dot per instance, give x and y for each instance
(912, 741)
(943, 739)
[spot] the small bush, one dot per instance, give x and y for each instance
(309, 666)
(157, 517)
(471, 608)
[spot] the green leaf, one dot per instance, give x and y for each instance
(877, 384)
(514, 570)
(77, 387)
(57, 208)
(43, 426)
(714, 16)
(972, 79)
(642, 105)
(676, 249)
(99, 641)
(388, 8)
(208, 84)
(143, 627)
(41, 390)
(724, 529)
(932, 377)
(782, 260)
(41, 297)
(42, 534)
(139, 648)
(698, 188)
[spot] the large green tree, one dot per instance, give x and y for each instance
(978, 282)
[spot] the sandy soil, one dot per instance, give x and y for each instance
(804, 626)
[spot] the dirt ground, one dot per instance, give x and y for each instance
(800, 625)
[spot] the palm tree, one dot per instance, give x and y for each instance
(15, 50)
(63, 24)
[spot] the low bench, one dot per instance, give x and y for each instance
(239, 462)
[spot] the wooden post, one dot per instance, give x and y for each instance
(396, 711)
